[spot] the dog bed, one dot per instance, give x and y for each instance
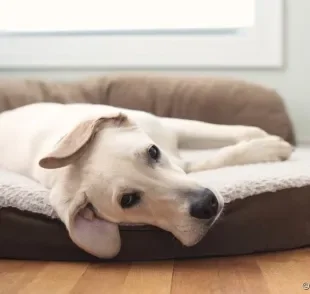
(267, 208)
(267, 205)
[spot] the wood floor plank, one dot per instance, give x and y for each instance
(286, 275)
(272, 273)
(106, 278)
(286, 255)
(225, 275)
(9, 273)
(149, 278)
(299, 255)
(55, 278)
(15, 275)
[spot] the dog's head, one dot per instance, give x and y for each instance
(112, 173)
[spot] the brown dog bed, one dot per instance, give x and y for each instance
(267, 205)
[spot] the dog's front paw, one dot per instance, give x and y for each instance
(268, 149)
(250, 133)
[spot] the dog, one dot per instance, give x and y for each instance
(107, 166)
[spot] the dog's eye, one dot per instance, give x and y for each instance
(130, 199)
(154, 152)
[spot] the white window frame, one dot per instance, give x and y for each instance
(260, 46)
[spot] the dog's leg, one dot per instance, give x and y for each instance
(268, 149)
(200, 135)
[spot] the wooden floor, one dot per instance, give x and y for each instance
(284, 272)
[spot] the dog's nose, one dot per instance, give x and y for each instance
(206, 206)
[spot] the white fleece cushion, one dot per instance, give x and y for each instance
(232, 182)
(239, 182)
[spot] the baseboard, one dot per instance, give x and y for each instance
(303, 141)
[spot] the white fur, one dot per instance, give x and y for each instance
(114, 162)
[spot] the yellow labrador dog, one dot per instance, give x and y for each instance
(106, 166)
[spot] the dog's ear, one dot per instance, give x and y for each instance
(72, 145)
(96, 236)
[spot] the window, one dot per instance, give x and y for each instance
(124, 15)
(140, 33)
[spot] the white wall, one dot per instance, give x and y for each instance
(292, 82)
